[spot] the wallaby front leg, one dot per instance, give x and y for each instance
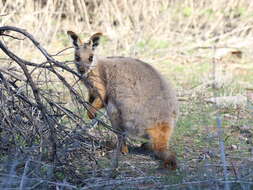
(90, 98)
(99, 100)
(96, 105)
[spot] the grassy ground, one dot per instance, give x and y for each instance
(196, 140)
(202, 47)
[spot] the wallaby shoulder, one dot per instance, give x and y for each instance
(127, 65)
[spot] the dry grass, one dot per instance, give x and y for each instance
(183, 40)
(173, 27)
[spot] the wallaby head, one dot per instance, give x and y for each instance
(84, 52)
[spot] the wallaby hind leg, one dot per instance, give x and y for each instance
(115, 117)
(123, 149)
(159, 142)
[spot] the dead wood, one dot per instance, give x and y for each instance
(32, 115)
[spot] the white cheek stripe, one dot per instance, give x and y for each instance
(92, 65)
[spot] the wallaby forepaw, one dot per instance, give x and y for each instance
(171, 163)
(91, 115)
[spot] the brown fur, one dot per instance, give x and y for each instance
(138, 100)
(159, 137)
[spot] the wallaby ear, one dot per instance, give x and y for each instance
(94, 40)
(75, 39)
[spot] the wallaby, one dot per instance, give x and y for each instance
(138, 100)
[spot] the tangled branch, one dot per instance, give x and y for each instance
(38, 117)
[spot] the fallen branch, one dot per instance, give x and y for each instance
(226, 101)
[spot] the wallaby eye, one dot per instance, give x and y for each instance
(90, 58)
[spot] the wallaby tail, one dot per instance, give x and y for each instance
(159, 136)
